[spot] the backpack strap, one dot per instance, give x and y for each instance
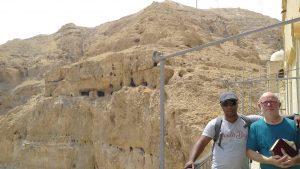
(217, 130)
(246, 119)
(248, 122)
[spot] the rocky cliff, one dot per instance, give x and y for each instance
(88, 98)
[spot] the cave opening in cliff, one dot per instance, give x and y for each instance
(100, 93)
(84, 93)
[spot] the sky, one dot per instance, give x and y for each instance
(27, 18)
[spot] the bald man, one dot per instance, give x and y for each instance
(264, 132)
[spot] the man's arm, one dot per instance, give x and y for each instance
(295, 117)
(253, 118)
(197, 150)
(253, 155)
(291, 116)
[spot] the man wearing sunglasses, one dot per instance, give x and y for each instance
(264, 132)
(229, 148)
(230, 145)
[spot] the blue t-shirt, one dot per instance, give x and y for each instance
(262, 136)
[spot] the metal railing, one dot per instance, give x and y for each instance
(204, 163)
(249, 90)
(161, 58)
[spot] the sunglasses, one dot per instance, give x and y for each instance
(229, 103)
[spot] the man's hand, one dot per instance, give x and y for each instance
(189, 164)
(197, 150)
(284, 161)
(297, 120)
(287, 163)
(289, 160)
(278, 161)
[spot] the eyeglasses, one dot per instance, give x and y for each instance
(269, 102)
(229, 103)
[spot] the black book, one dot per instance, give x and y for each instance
(288, 146)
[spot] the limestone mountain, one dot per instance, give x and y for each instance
(89, 98)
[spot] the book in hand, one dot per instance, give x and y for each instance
(288, 146)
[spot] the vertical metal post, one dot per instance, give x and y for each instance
(278, 92)
(260, 73)
(268, 75)
(250, 93)
(243, 101)
(277, 86)
(250, 97)
(258, 94)
(287, 107)
(291, 93)
(297, 75)
(162, 113)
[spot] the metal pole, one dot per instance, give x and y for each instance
(260, 72)
(297, 74)
(287, 107)
(268, 75)
(277, 88)
(162, 113)
(250, 97)
(263, 80)
(291, 95)
(243, 101)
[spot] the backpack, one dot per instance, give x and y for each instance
(218, 128)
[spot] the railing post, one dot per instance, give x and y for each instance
(243, 101)
(162, 112)
(297, 74)
(157, 56)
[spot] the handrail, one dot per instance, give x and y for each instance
(203, 163)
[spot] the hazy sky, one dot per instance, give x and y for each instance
(27, 18)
